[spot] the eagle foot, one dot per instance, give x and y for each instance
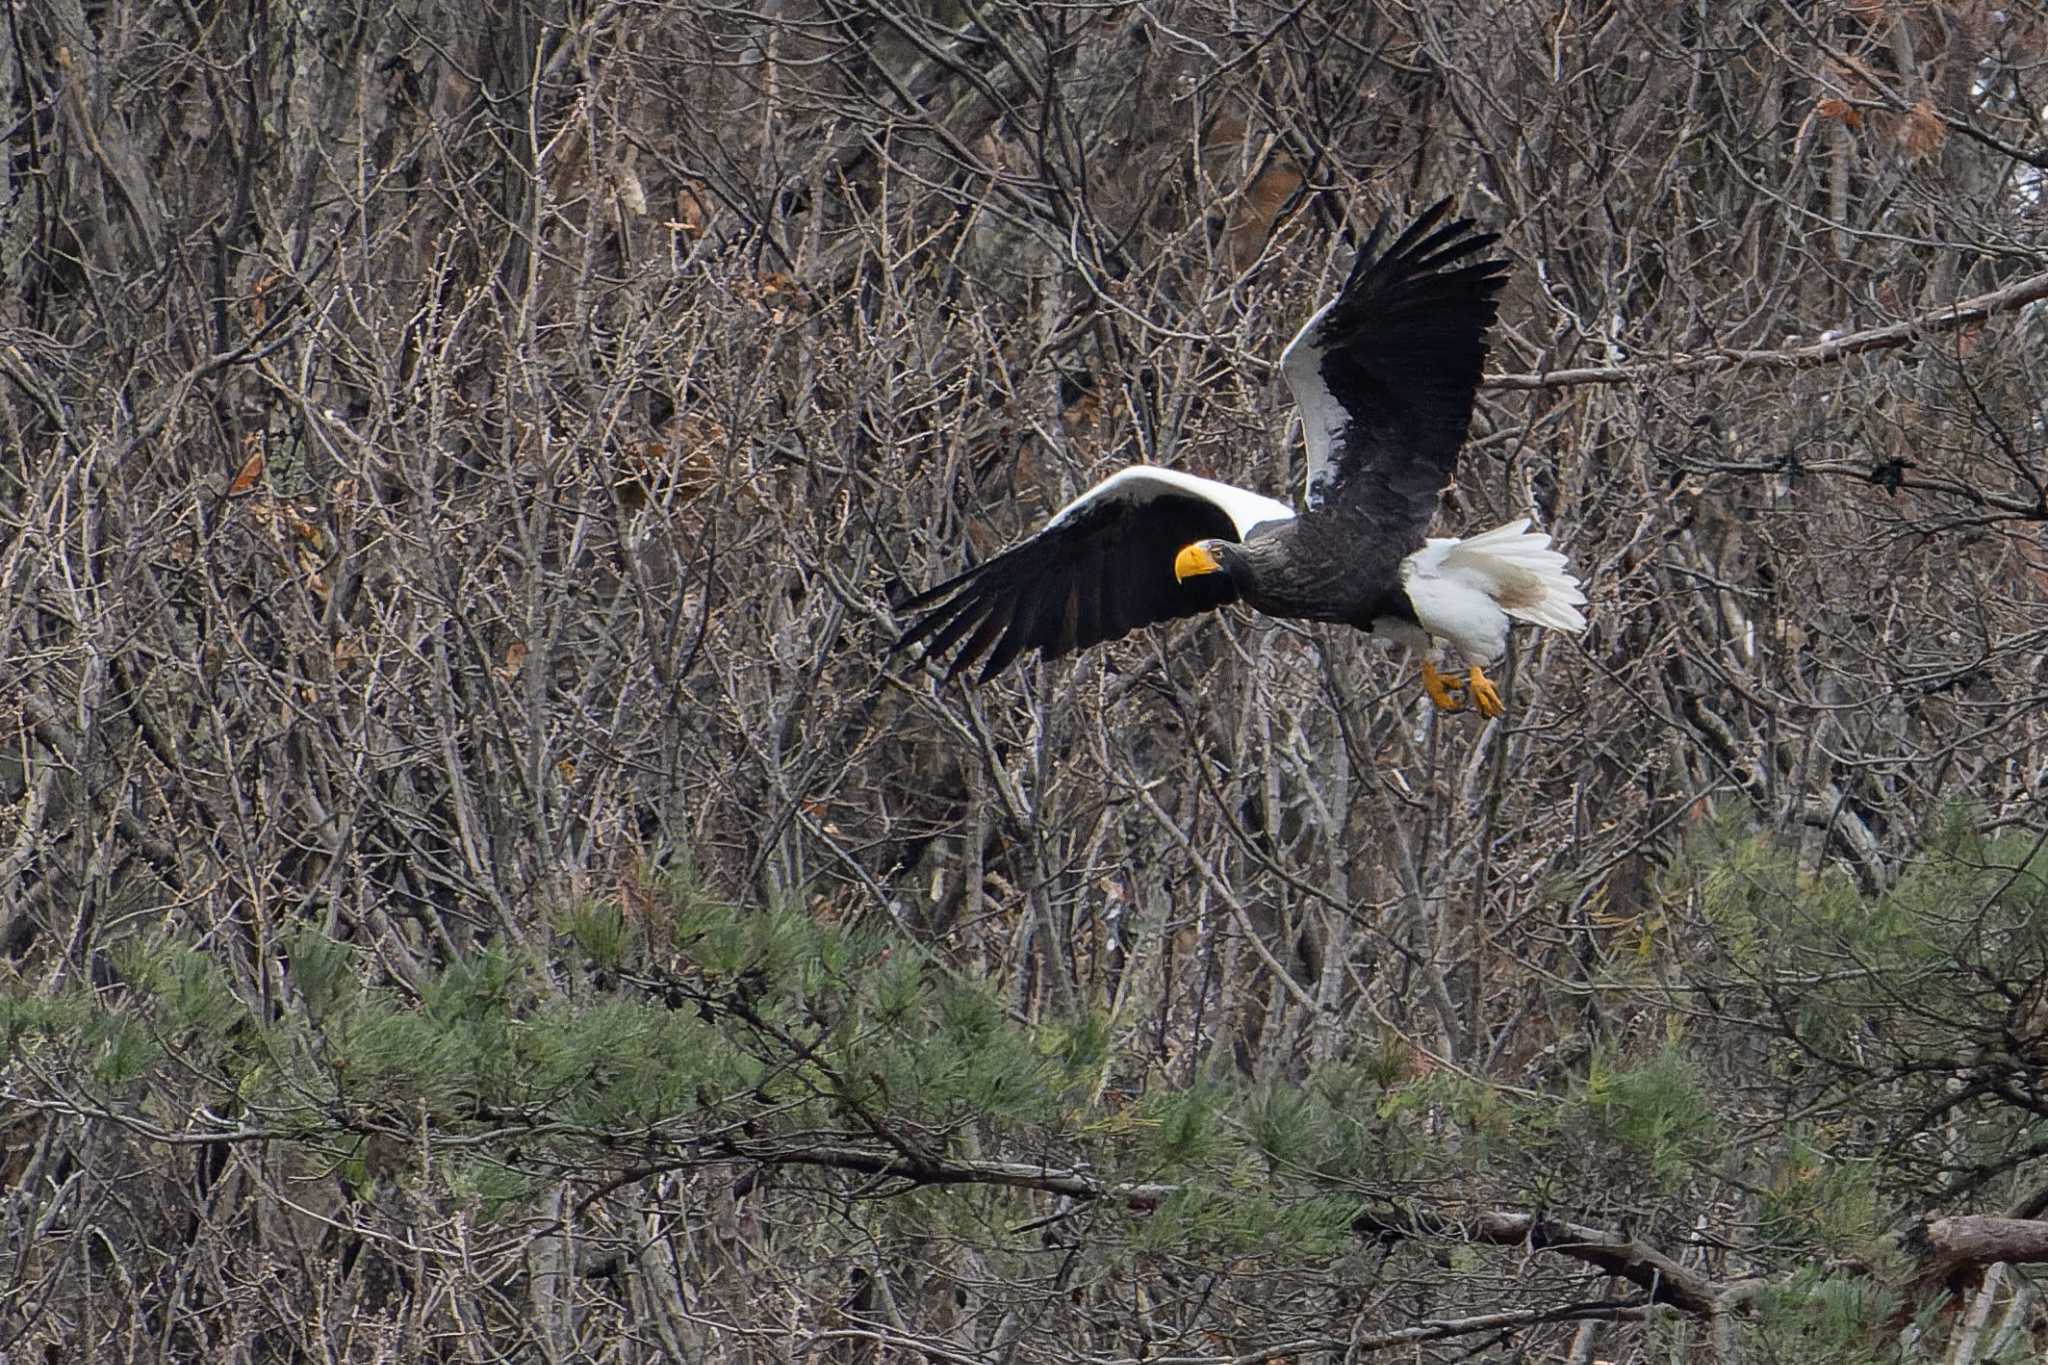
(1484, 694)
(1441, 686)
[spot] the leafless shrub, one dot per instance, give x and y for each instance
(465, 461)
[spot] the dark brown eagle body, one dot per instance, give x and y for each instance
(1314, 569)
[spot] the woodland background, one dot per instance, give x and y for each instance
(474, 884)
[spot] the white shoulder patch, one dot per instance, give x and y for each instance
(1143, 482)
(1322, 417)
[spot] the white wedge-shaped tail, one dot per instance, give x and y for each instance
(1531, 581)
(1465, 591)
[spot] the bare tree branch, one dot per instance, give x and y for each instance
(1892, 336)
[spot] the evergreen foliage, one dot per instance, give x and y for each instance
(1908, 1027)
(1656, 1109)
(855, 1063)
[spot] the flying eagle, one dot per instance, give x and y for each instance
(1384, 377)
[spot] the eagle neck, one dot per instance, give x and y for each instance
(1290, 570)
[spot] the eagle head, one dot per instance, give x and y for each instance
(1206, 557)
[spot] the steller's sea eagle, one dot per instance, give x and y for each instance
(1384, 377)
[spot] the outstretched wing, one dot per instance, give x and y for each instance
(1102, 567)
(1384, 374)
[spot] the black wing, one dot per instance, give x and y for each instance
(1102, 567)
(1385, 373)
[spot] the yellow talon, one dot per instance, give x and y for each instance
(1439, 687)
(1484, 695)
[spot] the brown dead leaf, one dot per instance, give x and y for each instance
(1841, 111)
(1257, 209)
(692, 208)
(293, 532)
(343, 500)
(258, 310)
(779, 296)
(251, 471)
(1921, 132)
(677, 469)
(1083, 413)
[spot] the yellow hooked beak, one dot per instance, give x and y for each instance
(1192, 561)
